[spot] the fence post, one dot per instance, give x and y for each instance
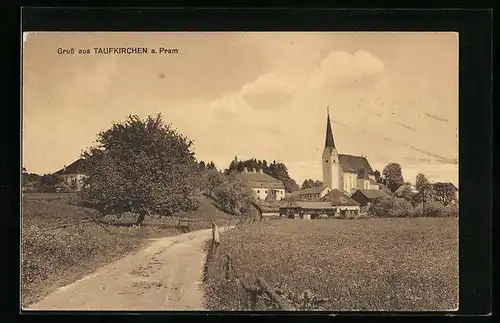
(273, 295)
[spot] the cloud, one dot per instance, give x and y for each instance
(267, 92)
(344, 69)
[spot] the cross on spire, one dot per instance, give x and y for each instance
(329, 134)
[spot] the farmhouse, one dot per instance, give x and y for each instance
(366, 197)
(345, 172)
(312, 193)
(263, 186)
(72, 175)
(268, 209)
(448, 186)
(334, 203)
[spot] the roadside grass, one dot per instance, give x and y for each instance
(54, 255)
(380, 264)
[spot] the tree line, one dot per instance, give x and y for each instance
(275, 169)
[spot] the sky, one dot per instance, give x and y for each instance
(393, 97)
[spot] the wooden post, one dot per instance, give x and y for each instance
(273, 295)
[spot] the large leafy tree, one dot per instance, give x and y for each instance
(424, 188)
(378, 177)
(141, 166)
(393, 176)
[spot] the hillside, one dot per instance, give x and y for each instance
(208, 210)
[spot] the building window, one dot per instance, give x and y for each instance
(258, 191)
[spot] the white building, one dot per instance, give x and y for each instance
(72, 174)
(263, 185)
(313, 193)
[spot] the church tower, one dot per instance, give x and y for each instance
(330, 159)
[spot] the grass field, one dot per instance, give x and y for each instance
(399, 264)
(53, 256)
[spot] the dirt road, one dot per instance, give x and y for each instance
(167, 275)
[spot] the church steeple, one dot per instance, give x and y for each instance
(329, 143)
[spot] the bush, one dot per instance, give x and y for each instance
(391, 208)
(452, 210)
(29, 189)
(434, 208)
(230, 192)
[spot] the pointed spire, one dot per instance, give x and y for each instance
(329, 134)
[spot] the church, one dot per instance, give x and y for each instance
(346, 173)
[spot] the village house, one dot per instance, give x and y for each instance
(268, 209)
(72, 175)
(366, 197)
(451, 187)
(312, 193)
(263, 186)
(345, 172)
(334, 204)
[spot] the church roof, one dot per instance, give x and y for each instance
(329, 134)
(74, 168)
(353, 164)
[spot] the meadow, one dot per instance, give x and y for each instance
(378, 264)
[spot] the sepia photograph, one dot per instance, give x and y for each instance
(240, 171)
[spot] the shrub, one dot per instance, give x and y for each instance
(434, 208)
(452, 210)
(230, 192)
(391, 208)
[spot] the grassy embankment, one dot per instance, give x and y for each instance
(399, 264)
(53, 256)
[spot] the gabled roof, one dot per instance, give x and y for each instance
(353, 164)
(338, 198)
(312, 190)
(257, 179)
(404, 187)
(372, 194)
(74, 168)
(269, 206)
